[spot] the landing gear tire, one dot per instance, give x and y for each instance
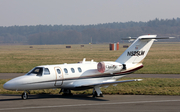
(24, 96)
(94, 94)
(101, 95)
(66, 92)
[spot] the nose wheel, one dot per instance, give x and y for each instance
(24, 95)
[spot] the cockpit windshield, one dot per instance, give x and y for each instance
(37, 70)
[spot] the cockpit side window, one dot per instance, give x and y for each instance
(46, 71)
(38, 71)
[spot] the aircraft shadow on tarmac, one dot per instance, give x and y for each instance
(46, 96)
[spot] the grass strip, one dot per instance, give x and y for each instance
(163, 58)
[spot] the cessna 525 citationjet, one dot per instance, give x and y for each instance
(86, 74)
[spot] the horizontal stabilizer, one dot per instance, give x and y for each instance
(158, 38)
(134, 38)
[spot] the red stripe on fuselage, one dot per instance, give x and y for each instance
(132, 70)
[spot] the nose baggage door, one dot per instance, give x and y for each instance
(59, 76)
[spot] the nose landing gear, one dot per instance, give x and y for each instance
(24, 95)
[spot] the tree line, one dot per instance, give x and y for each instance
(82, 34)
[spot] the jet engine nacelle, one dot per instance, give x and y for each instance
(109, 67)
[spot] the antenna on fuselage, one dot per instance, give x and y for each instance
(84, 60)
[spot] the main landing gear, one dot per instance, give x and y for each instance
(24, 95)
(97, 92)
(66, 92)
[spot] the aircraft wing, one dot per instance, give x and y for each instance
(109, 83)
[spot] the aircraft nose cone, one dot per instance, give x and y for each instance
(7, 85)
(10, 85)
(17, 83)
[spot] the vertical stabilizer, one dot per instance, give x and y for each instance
(137, 51)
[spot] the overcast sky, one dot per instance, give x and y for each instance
(84, 12)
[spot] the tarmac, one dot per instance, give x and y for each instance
(85, 103)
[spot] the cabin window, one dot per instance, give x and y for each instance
(46, 71)
(58, 71)
(72, 70)
(65, 70)
(79, 69)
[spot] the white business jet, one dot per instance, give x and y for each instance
(85, 74)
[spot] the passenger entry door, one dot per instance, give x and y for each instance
(59, 76)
